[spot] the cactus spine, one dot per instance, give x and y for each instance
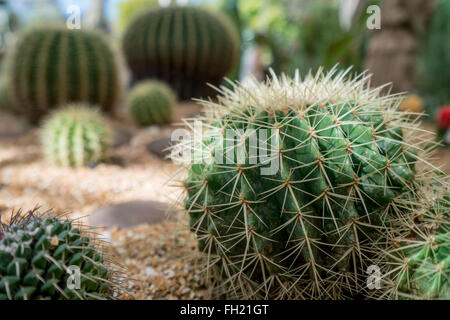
(343, 157)
(418, 259)
(75, 136)
(151, 102)
(186, 47)
(38, 252)
(52, 66)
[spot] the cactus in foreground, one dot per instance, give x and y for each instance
(186, 47)
(322, 164)
(38, 253)
(75, 136)
(52, 66)
(418, 264)
(151, 102)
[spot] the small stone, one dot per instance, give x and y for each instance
(169, 273)
(150, 272)
(160, 147)
(121, 137)
(129, 214)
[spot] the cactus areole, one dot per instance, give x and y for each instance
(292, 191)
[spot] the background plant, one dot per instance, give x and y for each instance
(51, 66)
(75, 136)
(151, 102)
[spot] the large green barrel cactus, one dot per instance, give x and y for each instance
(187, 47)
(75, 136)
(44, 257)
(151, 102)
(52, 66)
(295, 184)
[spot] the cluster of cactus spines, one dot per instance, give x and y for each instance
(417, 263)
(40, 252)
(52, 66)
(344, 156)
(151, 102)
(75, 136)
(186, 47)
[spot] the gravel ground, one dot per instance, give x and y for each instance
(159, 257)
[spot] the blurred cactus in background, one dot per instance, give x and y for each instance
(151, 102)
(51, 66)
(75, 136)
(187, 47)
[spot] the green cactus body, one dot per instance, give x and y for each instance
(38, 255)
(420, 262)
(186, 47)
(342, 156)
(75, 136)
(52, 66)
(151, 102)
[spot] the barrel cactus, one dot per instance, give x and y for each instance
(45, 257)
(186, 47)
(75, 136)
(295, 183)
(52, 66)
(151, 102)
(417, 263)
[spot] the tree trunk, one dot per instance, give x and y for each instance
(391, 54)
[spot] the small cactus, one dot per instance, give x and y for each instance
(40, 255)
(52, 66)
(75, 136)
(418, 261)
(151, 102)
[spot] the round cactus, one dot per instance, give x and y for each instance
(44, 257)
(52, 66)
(186, 47)
(75, 136)
(296, 182)
(151, 102)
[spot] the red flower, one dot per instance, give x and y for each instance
(444, 117)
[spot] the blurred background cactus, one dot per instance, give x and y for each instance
(151, 102)
(75, 136)
(187, 47)
(51, 66)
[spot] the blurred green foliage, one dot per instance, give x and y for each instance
(129, 9)
(434, 60)
(303, 34)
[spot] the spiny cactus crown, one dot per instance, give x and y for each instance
(296, 182)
